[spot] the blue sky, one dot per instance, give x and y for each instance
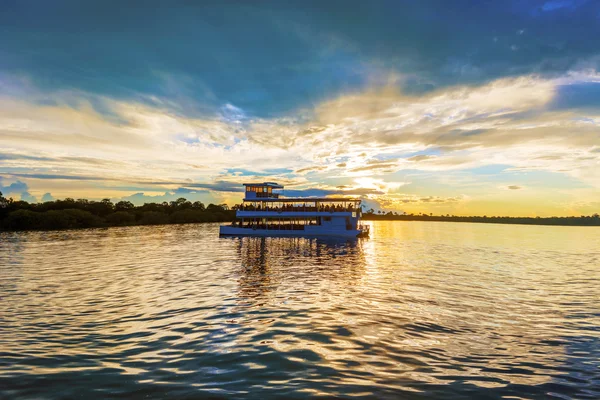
(401, 102)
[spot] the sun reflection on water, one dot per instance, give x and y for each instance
(434, 309)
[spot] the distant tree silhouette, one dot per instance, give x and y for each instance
(180, 204)
(583, 220)
(198, 205)
(124, 206)
(214, 207)
(3, 201)
(120, 218)
(83, 213)
(154, 218)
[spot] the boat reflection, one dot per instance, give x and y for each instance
(274, 268)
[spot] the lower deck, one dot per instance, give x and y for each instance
(339, 224)
(288, 230)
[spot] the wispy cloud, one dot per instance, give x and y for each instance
(369, 134)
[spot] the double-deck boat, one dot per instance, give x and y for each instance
(266, 212)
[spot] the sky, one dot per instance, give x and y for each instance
(447, 107)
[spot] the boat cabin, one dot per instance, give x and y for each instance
(261, 190)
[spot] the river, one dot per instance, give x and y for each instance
(418, 310)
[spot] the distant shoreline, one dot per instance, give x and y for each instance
(489, 220)
(593, 220)
(104, 226)
(228, 216)
(83, 214)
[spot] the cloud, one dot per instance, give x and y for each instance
(507, 122)
(15, 187)
(306, 170)
(11, 157)
(506, 114)
(191, 195)
(26, 196)
(422, 157)
(346, 192)
(378, 185)
(380, 132)
(558, 4)
(47, 197)
(219, 186)
(311, 56)
(514, 187)
(59, 177)
(405, 201)
(382, 168)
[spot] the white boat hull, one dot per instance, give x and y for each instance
(227, 230)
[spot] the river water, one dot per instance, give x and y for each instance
(419, 310)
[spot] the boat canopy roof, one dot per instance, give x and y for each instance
(272, 185)
(305, 200)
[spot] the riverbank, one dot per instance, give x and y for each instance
(77, 214)
(23, 220)
(82, 213)
(593, 220)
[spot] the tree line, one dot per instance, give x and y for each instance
(81, 213)
(583, 220)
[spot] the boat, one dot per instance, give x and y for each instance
(266, 212)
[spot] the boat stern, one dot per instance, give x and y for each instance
(364, 230)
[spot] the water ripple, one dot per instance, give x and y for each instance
(419, 310)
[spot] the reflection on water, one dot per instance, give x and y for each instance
(267, 263)
(418, 310)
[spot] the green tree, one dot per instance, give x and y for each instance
(4, 202)
(124, 206)
(120, 218)
(180, 204)
(154, 218)
(214, 207)
(198, 205)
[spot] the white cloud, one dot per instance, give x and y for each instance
(358, 140)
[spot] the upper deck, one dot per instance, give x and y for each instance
(300, 206)
(261, 201)
(261, 191)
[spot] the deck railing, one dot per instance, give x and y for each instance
(267, 195)
(289, 208)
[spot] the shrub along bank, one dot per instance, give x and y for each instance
(82, 213)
